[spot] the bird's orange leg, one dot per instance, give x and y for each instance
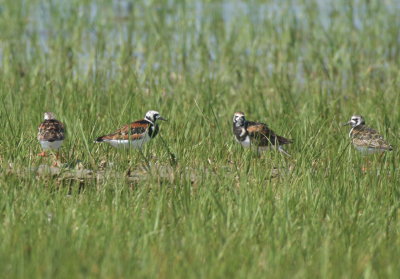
(366, 166)
(42, 154)
(57, 161)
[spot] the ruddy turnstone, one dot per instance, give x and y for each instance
(136, 133)
(51, 133)
(249, 133)
(365, 139)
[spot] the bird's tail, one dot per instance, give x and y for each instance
(283, 140)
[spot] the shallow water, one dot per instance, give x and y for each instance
(103, 35)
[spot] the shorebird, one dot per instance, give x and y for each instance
(135, 134)
(51, 133)
(365, 139)
(249, 133)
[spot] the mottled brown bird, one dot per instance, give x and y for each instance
(51, 133)
(366, 139)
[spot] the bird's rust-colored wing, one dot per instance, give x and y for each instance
(264, 136)
(133, 131)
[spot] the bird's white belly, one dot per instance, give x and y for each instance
(246, 142)
(51, 145)
(368, 150)
(138, 143)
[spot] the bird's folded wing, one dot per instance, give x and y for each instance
(132, 131)
(370, 138)
(51, 130)
(261, 133)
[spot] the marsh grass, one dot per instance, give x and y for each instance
(205, 207)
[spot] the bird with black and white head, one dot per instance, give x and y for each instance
(364, 138)
(250, 133)
(135, 134)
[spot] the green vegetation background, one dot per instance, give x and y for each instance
(218, 211)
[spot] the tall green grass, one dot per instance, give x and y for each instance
(215, 210)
